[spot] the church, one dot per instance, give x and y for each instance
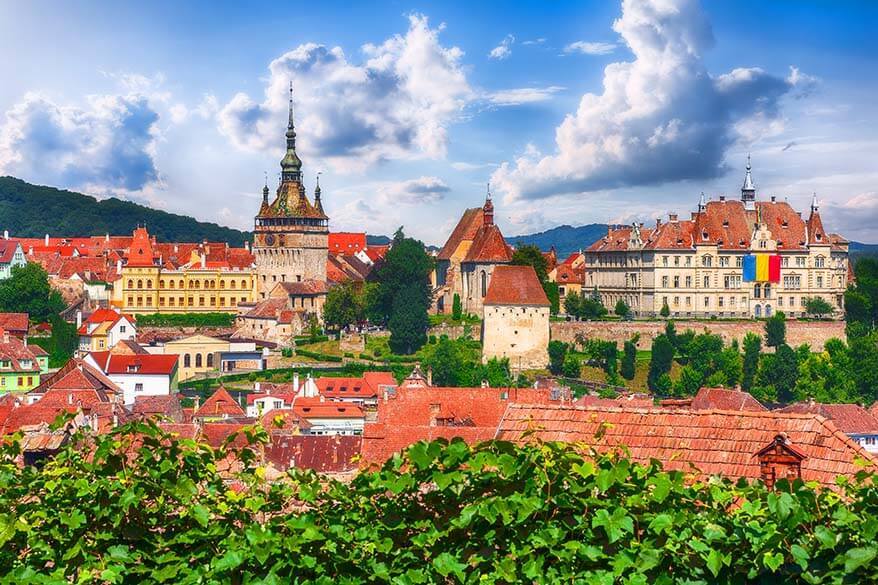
(291, 235)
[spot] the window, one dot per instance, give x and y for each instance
(707, 260)
(784, 262)
(210, 360)
(181, 284)
(819, 262)
(130, 283)
(243, 284)
(664, 260)
(222, 302)
(121, 328)
(484, 283)
(706, 281)
(138, 387)
(200, 301)
(800, 262)
(676, 260)
(148, 284)
(139, 301)
(757, 291)
(676, 282)
(739, 261)
(732, 281)
(676, 301)
(171, 302)
(793, 281)
(197, 360)
(171, 283)
(222, 284)
(688, 282)
(191, 301)
(724, 261)
(819, 282)
(722, 302)
(780, 301)
(688, 260)
(757, 310)
(187, 361)
(706, 302)
(792, 301)
(732, 302)
(233, 285)
(664, 282)
(688, 301)
(139, 284)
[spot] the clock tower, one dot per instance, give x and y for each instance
(291, 236)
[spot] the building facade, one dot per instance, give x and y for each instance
(203, 278)
(291, 235)
(11, 255)
(20, 364)
(695, 266)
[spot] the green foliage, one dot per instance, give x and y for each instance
(817, 307)
(602, 354)
(584, 306)
(665, 311)
(402, 296)
(778, 373)
(31, 211)
(441, 512)
(776, 330)
(557, 353)
(661, 361)
(186, 320)
(861, 298)
(621, 308)
(554, 296)
(61, 345)
(456, 308)
(709, 364)
(346, 305)
(458, 363)
(629, 359)
(752, 350)
(572, 366)
(530, 255)
(858, 308)
(572, 304)
(27, 290)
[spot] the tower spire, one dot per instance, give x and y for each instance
(318, 203)
(702, 203)
(265, 190)
(488, 209)
(291, 164)
(814, 206)
(748, 191)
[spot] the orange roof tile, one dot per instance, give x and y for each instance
(515, 285)
(852, 419)
(470, 222)
(220, 403)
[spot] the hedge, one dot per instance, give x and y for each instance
(186, 320)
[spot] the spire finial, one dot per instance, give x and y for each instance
(488, 195)
(290, 125)
(814, 205)
(748, 161)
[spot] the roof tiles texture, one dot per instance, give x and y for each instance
(516, 285)
(852, 419)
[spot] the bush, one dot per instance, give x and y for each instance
(557, 353)
(442, 512)
(186, 320)
(456, 308)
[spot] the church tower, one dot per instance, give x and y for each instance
(291, 236)
(748, 191)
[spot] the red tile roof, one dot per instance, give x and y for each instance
(346, 242)
(220, 403)
(7, 250)
(313, 408)
(489, 246)
(852, 419)
(376, 253)
(470, 222)
(308, 287)
(15, 323)
(143, 364)
(709, 442)
(140, 253)
(515, 285)
(323, 454)
(725, 399)
(18, 354)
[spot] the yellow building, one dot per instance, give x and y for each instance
(198, 354)
(184, 278)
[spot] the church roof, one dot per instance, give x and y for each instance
(489, 246)
(466, 229)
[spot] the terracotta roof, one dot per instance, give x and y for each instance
(708, 442)
(7, 250)
(309, 408)
(515, 285)
(632, 401)
(376, 253)
(323, 454)
(346, 242)
(852, 419)
(18, 354)
(215, 434)
(162, 405)
(564, 273)
(14, 322)
(725, 399)
(346, 268)
(270, 308)
(307, 287)
(220, 403)
(283, 420)
(489, 246)
(470, 222)
(142, 364)
(140, 251)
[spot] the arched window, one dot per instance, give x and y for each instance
(233, 284)
(819, 262)
(210, 360)
(130, 283)
(171, 282)
(148, 284)
(757, 310)
(707, 260)
(181, 284)
(139, 284)
(187, 361)
(768, 310)
(757, 291)
(243, 284)
(222, 284)
(767, 290)
(197, 360)
(162, 283)
(484, 283)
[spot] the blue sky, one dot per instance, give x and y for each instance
(576, 112)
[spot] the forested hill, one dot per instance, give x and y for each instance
(32, 211)
(566, 239)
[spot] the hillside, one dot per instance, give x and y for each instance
(566, 239)
(32, 211)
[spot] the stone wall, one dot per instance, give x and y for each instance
(814, 333)
(519, 333)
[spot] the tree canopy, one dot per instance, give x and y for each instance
(27, 290)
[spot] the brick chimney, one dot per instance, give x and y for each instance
(779, 460)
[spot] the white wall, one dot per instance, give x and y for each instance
(153, 385)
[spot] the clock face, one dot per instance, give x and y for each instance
(269, 240)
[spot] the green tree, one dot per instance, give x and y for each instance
(665, 310)
(864, 369)
(778, 374)
(776, 330)
(530, 255)
(27, 290)
(671, 333)
(343, 306)
(456, 308)
(557, 353)
(408, 321)
(752, 350)
(817, 307)
(857, 307)
(591, 308)
(63, 341)
(629, 360)
(573, 304)
(622, 308)
(661, 361)
(571, 367)
(445, 362)
(554, 296)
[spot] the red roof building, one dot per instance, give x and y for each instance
(717, 399)
(16, 324)
(220, 405)
(516, 286)
(346, 243)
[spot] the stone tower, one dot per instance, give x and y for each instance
(291, 236)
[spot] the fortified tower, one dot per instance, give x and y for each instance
(291, 236)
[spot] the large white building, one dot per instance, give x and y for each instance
(695, 265)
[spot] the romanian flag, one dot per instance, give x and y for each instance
(761, 268)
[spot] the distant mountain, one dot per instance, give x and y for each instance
(860, 249)
(372, 240)
(566, 239)
(32, 211)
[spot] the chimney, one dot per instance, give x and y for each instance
(204, 260)
(47, 239)
(247, 245)
(672, 217)
(722, 198)
(78, 319)
(5, 335)
(295, 382)
(658, 222)
(5, 234)
(196, 402)
(257, 386)
(430, 376)
(107, 237)
(485, 384)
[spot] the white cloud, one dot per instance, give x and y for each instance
(538, 41)
(397, 104)
(523, 95)
(466, 166)
(208, 107)
(108, 145)
(857, 216)
(504, 49)
(415, 191)
(587, 48)
(661, 117)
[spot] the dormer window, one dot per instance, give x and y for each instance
(818, 236)
(725, 223)
(133, 368)
(785, 224)
(704, 235)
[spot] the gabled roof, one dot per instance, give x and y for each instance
(76, 384)
(489, 246)
(346, 242)
(706, 442)
(470, 222)
(323, 454)
(315, 408)
(140, 252)
(516, 285)
(725, 399)
(220, 403)
(142, 364)
(7, 250)
(14, 322)
(18, 354)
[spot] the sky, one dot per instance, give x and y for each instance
(575, 112)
